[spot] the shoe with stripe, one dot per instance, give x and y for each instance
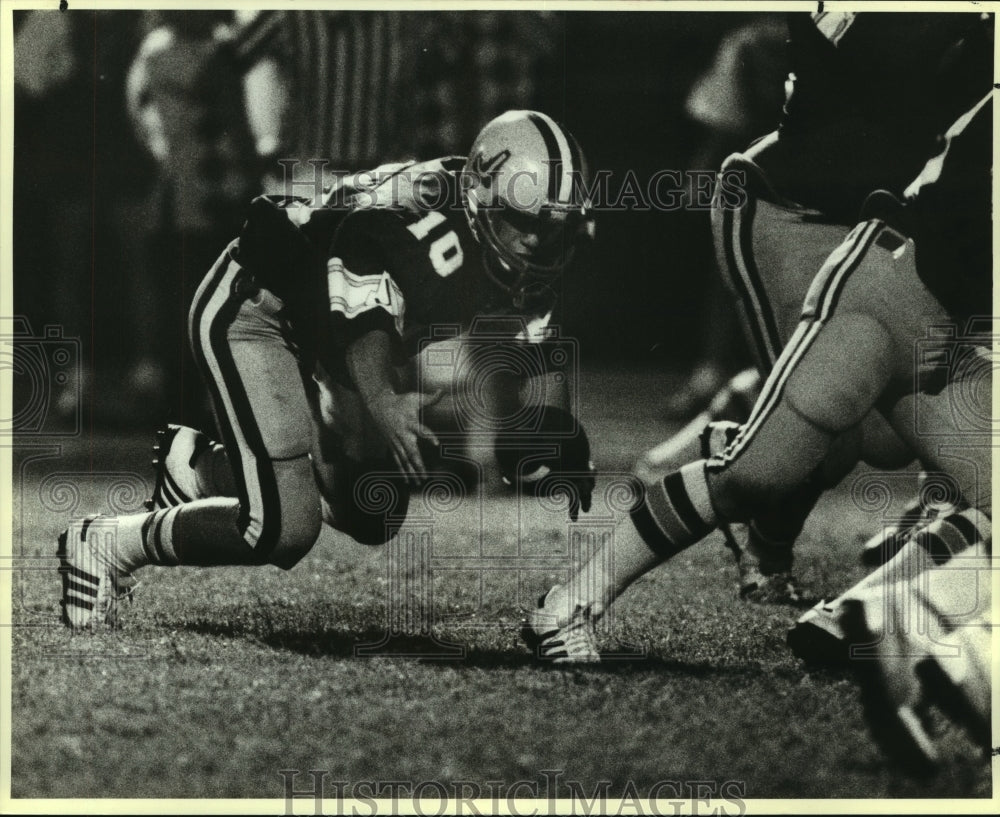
(890, 540)
(561, 639)
(818, 636)
(176, 449)
(91, 587)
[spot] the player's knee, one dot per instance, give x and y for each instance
(290, 527)
(734, 497)
(843, 373)
(299, 532)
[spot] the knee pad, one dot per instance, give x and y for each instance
(299, 532)
(842, 374)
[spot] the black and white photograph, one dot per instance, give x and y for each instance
(505, 408)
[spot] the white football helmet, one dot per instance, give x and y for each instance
(524, 185)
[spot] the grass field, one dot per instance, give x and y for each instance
(219, 679)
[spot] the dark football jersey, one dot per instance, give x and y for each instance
(869, 94)
(388, 249)
(405, 260)
(950, 216)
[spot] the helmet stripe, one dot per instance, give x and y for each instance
(568, 163)
(555, 157)
(577, 166)
(561, 159)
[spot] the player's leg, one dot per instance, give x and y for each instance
(801, 413)
(253, 375)
(941, 413)
(958, 448)
(768, 252)
(828, 377)
(363, 494)
(246, 349)
(931, 628)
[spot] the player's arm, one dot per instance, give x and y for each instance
(397, 414)
(366, 315)
(546, 399)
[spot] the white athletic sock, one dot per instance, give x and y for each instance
(142, 539)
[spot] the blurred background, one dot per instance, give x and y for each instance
(140, 137)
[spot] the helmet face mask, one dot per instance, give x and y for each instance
(524, 200)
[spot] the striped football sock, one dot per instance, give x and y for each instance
(937, 543)
(676, 512)
(142, 539)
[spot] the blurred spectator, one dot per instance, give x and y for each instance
(77, 172)
(357, 89)
(736, 100)
(52, 213)
(474, 66)
(185, 98)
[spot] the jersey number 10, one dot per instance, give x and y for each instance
(445, 252)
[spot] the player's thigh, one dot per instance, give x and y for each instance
(789, 248)
(265, 387)
(253, 375)
(829, 376)
(942, 412)
(958, 452)
(768, 255)
(882, 283)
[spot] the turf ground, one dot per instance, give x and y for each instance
(218, 679)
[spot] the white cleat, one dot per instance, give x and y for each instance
(91, 587)
(561, 639)
(173, 456)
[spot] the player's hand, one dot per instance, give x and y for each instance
(398, 418)
(527, 466)
(576, 486)
(582, 491)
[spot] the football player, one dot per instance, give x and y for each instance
(307, 330)
(783, 205)
(866, 314)
(867, 310)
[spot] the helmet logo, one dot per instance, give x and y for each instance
(487, 169)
